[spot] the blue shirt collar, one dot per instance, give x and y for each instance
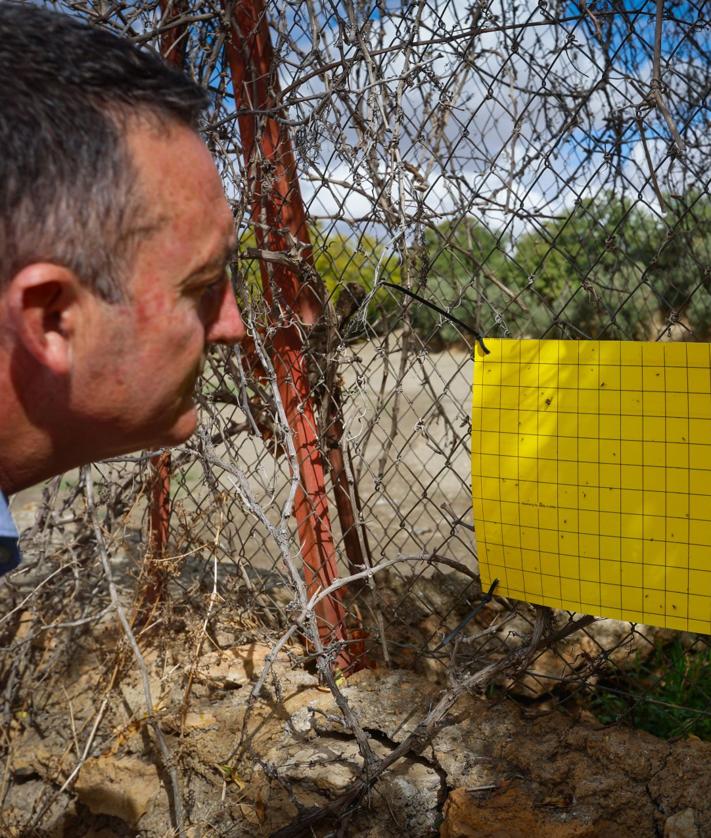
(9, 551)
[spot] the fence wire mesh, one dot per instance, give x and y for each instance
(537, 170)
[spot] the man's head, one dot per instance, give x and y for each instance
(68, 187)
(114, 238)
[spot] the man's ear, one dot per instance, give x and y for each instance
(43, 308)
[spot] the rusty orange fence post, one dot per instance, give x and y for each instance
(279, 220)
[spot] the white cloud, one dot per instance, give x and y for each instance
(456, 127)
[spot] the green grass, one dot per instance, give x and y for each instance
(669, 694)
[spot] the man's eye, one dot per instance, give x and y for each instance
(213, 288)
(209, 299)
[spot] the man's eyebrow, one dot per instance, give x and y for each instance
(213, 265)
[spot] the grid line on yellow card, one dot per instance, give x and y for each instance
(591, 477)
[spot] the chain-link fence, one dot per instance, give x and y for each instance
(537, 170)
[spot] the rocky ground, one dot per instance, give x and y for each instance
(253, 767)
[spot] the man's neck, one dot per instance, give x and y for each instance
(24, 448)
(18, 468)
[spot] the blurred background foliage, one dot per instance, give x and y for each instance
(607, 269)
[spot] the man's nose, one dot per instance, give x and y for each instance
(228, 326)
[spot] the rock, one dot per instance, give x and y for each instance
(390, 701)
(122, 787)
(241, 665)
(32, 756)
(225, 639)
(681, 825)
(23, 799)
(510, 813)
(621, 645)
(318, 771)
(413, 790)
(464, 750)
(233, 667)
(302, 721)
(199, 718)
(328, 766)
(684, 782)
(596, 776)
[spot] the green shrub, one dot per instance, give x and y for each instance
(343, 264)
(669, 694)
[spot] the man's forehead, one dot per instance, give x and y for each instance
(175, 161)
(180, 184)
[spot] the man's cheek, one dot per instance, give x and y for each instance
(150, 308)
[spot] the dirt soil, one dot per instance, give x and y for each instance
(252, 767)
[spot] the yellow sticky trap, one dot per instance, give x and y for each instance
(591, 477)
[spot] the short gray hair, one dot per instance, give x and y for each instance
(68, 187)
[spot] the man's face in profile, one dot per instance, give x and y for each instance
(143, 357)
